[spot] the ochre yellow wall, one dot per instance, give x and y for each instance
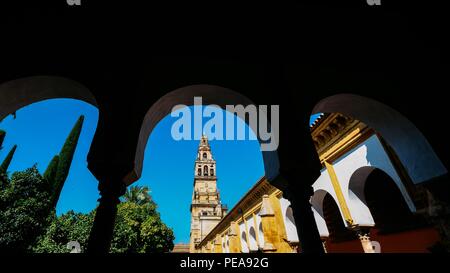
(274, 230)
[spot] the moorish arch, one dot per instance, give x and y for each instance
(19, 93)
(382, 196)
(396, 227)
(252, 239)
(331, 224)
(338, 231)
(400, 202)
(211, 95)
(244, 245)
(317, 201)
(410, 145)
(22, 92)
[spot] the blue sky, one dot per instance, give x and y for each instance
(40, 130)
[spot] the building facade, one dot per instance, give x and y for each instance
(261, 221)
(363, 201)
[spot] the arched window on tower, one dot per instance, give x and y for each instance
(205, 170)
(199, 171)
(205, 155)
(211, 172)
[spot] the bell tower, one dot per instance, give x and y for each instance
(206, 207)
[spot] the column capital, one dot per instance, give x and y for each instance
(266, 207)
(232, 231)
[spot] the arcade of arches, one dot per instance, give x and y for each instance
(325, 188)
(362, 202)
(385, 68)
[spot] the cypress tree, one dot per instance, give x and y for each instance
(8, 158)
(2, 137)
(2, 173)
(50, 172)
(65, 157)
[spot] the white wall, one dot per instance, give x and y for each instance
(369, 153)
(291, 230)
(227, 244)
(244, 245)
(252, 237)
(321, 187)
(260, 231)
(412, 148)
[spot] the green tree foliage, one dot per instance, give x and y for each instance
(24, 210)
(27, 202)
(8, 159)
(137, 194)
(3, 179)
(50, 172)
(155, 236)
(65, 158)
(2, 173)
(64, 229)
(4, 166)
(138, 229)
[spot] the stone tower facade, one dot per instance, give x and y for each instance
(206, 208)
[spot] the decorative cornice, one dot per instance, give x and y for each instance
(335, 134)
(266, 208)
(249, 200)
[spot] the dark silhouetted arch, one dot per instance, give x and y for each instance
(409, 144)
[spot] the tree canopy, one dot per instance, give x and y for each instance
(24, 210)
(138, 229)
(138, 194)
(28, 221)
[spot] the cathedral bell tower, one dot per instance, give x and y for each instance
(206, 208)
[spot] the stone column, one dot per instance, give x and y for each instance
(103, 227)
(208, 248)
(299, 194)
(269, 225)
(233, 237)
(324, 244)
(218, 244)
(363, 236)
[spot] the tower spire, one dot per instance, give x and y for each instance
(206, 207)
